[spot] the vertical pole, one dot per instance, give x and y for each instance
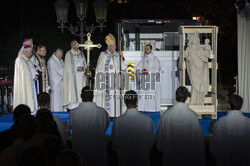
(181, 58)
(120, 65)
(214, 67)
(88, 60)
(88, 70)
(137, 39)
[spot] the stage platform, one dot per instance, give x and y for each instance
(6, 121)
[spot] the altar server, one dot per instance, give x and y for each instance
(55, 69)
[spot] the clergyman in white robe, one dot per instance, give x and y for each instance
(230, 140)
(55, 69)
(74, 80)
(111, 102)
(89, 123)
(26, 41)
(29, 42)
(179, 136)
(24, 86)
(133, 137)
(107, 79)
(148, 86)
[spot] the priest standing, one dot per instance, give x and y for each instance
(107, 74)
(179, 135)
(55, 69)
(29, 42)
(132, 134)
(148, 71)
(40, 60)
(89, 123)
(74, 76)
(24, 80)
(230, 140)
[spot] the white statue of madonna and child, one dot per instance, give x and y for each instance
(197, 57)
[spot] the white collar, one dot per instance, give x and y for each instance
(147, 55)
(74, 51)
(114, 54)
(55, 57)
(234, 112)
(25, 57)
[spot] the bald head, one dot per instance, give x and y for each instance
(59, 53)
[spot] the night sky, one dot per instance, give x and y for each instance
(37, 19)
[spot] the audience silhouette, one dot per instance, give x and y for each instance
(40, 140)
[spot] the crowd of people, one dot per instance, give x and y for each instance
(41, 139)
(64, 79)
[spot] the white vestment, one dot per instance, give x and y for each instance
(24, 86)
(148, 86)
(36, 65)
(73, 80)
(88, 123)
(133, 138)
(34, 72)
(107, 89)
(179, 137)
(35, 62)
(230, 140)
(55, 69)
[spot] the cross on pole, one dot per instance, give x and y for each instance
(88, 45)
